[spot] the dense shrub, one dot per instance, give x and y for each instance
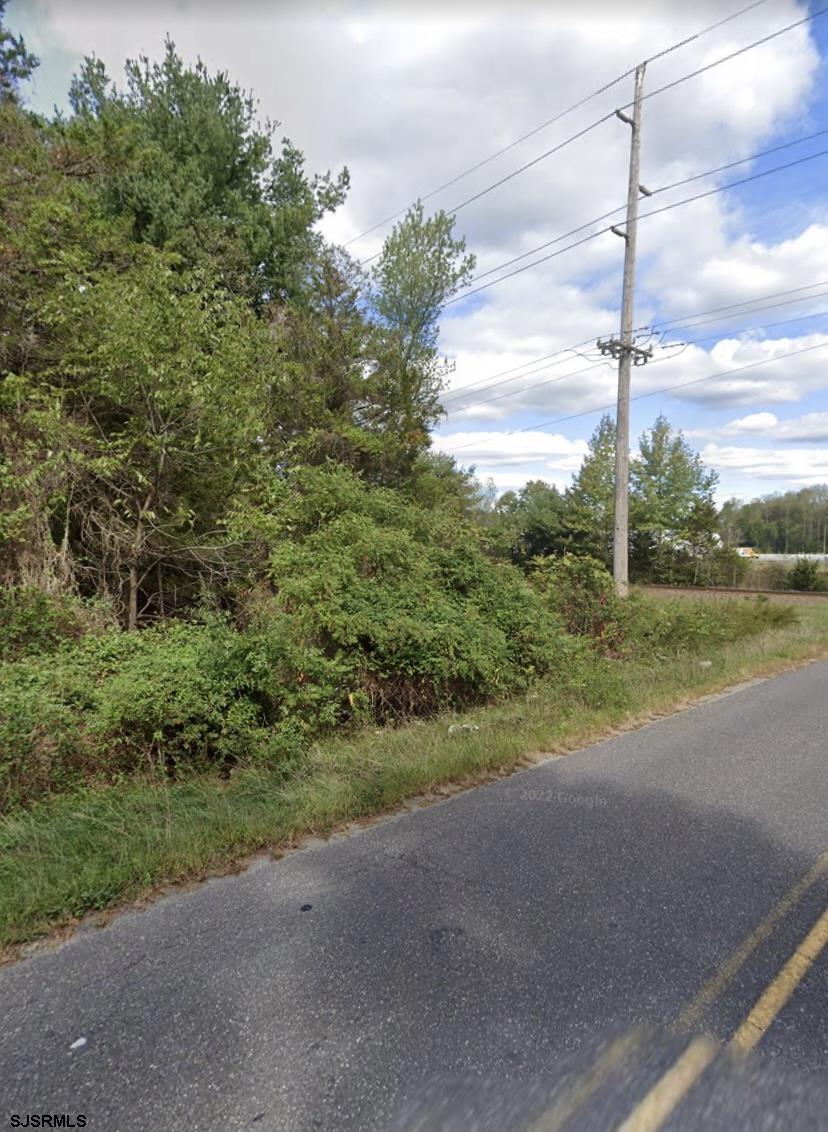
(170, 699)
(407, 599)
(581, 591)
(805, 574)
(377, 610)
(721, 567)
(661, 627)
(33, 622)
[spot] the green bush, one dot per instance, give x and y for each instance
(377, 610)
(33, 622)
(42, 741)
(168, 700)
(407, 600)
(581, 592)
(806, 575)
(670, 627)
(721, 567)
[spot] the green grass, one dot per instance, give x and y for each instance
(95, 848)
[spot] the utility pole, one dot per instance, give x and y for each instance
(625, 349)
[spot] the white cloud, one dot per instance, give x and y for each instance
(498, 449)
(794, 465)
(753, 422)
(810, 427)
(409, 96)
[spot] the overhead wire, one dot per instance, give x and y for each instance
(666, 346)
(657, 392)
(556, 118)
(652, 193)
(466, 294)
(611, 114)
(659, 326)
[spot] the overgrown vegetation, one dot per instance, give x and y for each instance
(233, 570)
(70, 853)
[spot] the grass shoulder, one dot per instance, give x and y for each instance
(97, 847)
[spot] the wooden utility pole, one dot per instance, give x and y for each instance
(625, 349)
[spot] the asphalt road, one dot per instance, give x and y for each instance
(523, 955)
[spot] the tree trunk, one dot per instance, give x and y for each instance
(137, 547)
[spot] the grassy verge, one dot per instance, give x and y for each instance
(95, 848)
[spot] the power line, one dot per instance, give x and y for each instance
(761, 326)
(601, 231)
(674, 322)
(606, 117)
(654, 192)
(734, 54)
(555, 118)
(756, 310)
(734, 184)
(484, 382)
(483, 387)
(658, 392)
(680, 322)
(598, 365)
(517, 172)
(534, 385)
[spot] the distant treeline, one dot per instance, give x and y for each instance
(791, 522)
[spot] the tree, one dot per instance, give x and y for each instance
(672, 502)
(421, 266)
(17, 63)
(791, 521)
(728, 522)
(591, 499)
(178, 339)
(530, 523)
(183, 159)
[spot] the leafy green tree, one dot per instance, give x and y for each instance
(591, 499)
(531, 522)
(672, 503)
(178, 337)
(668, 479)
(17, 63)
(165, 376)
(183, 158)
(791, 522)
(728, 522)
(421, 266)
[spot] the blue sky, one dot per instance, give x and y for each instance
(407, 100)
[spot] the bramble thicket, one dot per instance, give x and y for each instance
(223, 531)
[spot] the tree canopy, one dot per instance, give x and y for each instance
(178, 333)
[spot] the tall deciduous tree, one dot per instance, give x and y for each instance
(421, 267)
(592, 495)
(669, 480)
(672, 496)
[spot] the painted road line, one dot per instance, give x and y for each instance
(650, 1113)
(780, 990)
(696, 1008)
(582, 1088)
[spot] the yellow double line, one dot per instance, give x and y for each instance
(650, 1113)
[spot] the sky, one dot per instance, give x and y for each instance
(409, 97)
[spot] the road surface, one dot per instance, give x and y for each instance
(572, 947)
